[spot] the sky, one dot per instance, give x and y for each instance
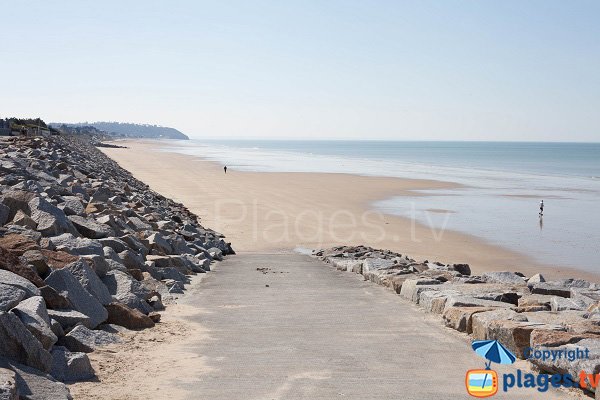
(310, 69)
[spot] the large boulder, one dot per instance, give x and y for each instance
(90, 281)
(16, 200)
(412, 288)
(72, 206)
(120, 314)
(82, 339)
(480, 322)
(32, 312)
(116, 244)
(516, 335)
(51, 221)
(551, 289)
(18, 344)
(8, 278)
(10, 296)
(504, 277)
(90, 228)
(62, 280)
(17, 244)
(76, 245)
(159, 245)
(69, 367)
(460, 318)
(36, 385)
(70, 318)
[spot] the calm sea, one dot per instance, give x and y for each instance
(504, 183)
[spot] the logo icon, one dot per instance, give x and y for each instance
(484, 382)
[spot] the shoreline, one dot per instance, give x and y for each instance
(255, 210)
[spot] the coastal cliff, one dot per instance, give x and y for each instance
(85, 251)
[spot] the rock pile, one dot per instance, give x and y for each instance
(83, 245)
(524, 314)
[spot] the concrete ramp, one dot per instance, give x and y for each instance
(287, 326)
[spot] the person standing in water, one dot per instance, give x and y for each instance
(225, 169)
(542, 208)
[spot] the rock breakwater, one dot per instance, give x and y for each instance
(84, 246)
(526, 314)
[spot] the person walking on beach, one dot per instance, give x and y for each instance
(225, 169)
(542, 208)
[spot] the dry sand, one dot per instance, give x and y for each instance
(150, 364)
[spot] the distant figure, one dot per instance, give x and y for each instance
(542, 208)
(225, 169)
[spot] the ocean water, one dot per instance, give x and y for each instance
(503, 185)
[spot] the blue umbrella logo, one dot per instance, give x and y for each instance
(493, 351)
(484, 382)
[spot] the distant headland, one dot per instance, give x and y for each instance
(123, 129)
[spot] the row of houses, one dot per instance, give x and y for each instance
(8, 128)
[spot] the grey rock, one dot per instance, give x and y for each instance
(10, 279)
(537, 278)
(4, 214)
(116, 244)
(62, 280)
(110, 254)
(504, 277)
(90, 281)
(16, 200)
(82, 339)
(127, 290)
(24, 220)
(69, 367)
(369, 264)
(33, 314)
(159, 245)
(101, 196)
(136, 245)
(18, 344)
(51, 221)
(98, 264)
(561, 304)
(36, 385)
(90, 228)
(411, 288)
(76, 245)
(139, 225)
(132, 260)
(69, 318)
(10, 296)
(551, 289)
(72, 206)
(481, 321)
(215, 253)
(462, 269)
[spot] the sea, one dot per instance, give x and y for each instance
(502, 184)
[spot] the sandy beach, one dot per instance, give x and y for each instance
(285, 211)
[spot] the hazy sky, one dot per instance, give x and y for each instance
(452, 70)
